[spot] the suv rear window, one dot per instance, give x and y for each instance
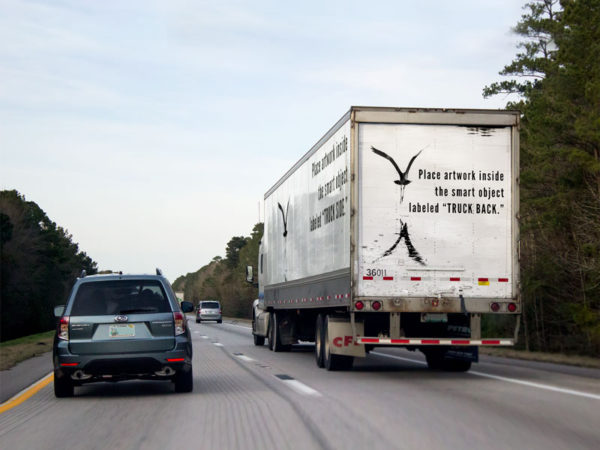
(209, 305)
(120, 297)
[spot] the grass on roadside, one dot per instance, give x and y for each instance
(17, 350)
(557, 358)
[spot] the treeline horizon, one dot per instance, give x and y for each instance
(39, 263)
(224, 279)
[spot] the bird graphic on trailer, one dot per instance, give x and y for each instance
(403, 181)
(284, 216)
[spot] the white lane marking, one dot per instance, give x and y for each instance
(218, 344)
(301, 388)
(245, 358)
(204, 337)
(196, 332)
(239, 326)
(399, 357)
(546, 387)
(538, 385)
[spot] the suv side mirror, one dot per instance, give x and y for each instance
(59, 310)
(187, 307)
(249, 274)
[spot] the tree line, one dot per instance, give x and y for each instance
(39, 263)
(224, 279)
(556, 77)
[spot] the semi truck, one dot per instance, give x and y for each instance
(398, 228)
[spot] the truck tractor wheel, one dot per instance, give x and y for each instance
(259, 341)
(63, 386)
(270, 331)
(274, 335)
(330, 360)
(319, 341)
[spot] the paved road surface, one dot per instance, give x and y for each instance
(247, 397)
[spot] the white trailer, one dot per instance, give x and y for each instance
(398, 228)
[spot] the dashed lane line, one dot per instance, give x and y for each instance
(26, 393)
(218, 344)
(243, 357)
(546, 387)
(298, 386)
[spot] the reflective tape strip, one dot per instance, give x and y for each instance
(415, 278)
(433, 341)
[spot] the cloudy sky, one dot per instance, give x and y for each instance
(151, 130)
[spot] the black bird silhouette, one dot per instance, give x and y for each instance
(403, 181)
(283, 216)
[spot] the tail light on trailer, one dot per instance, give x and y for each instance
(179, 319)
(376, 305)
(512, 307)
(359, 305)
(495, 307)
(63, 328)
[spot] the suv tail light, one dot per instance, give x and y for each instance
(63, 328)
(179, 323)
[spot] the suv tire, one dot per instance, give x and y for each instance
(184, 380)
(63, 387)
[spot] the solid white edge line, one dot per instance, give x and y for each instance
(538, 385)
(301, 388)
(22, 391)
(508, 380)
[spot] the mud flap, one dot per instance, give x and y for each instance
(340, 337)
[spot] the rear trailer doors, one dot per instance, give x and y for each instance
(435, 218)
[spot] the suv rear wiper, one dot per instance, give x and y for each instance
(136, 310)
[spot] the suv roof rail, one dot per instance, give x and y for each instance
(82, 274)
(158, 272)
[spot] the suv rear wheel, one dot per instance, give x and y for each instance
(184, 380)
(63, 387)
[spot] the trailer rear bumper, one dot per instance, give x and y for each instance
(434, 341)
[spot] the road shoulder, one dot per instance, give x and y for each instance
(24, 374)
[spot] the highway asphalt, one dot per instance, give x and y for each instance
(246, 397)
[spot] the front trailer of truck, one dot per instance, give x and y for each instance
(398, 228)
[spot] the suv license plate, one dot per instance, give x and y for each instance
(124, 330)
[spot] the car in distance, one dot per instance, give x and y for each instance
(120, 327)
(209, 310)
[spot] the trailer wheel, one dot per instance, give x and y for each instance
(319, 341)
(274, 336)
(330, 360)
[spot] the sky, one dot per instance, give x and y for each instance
(151, 130)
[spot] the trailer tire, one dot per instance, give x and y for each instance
(457, 365)
(319, 341)
(330, 360)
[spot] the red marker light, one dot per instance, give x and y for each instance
(376, 305)
(495, 307)
(359, 305)
(512, 307)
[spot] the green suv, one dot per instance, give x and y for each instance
(121, 327)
